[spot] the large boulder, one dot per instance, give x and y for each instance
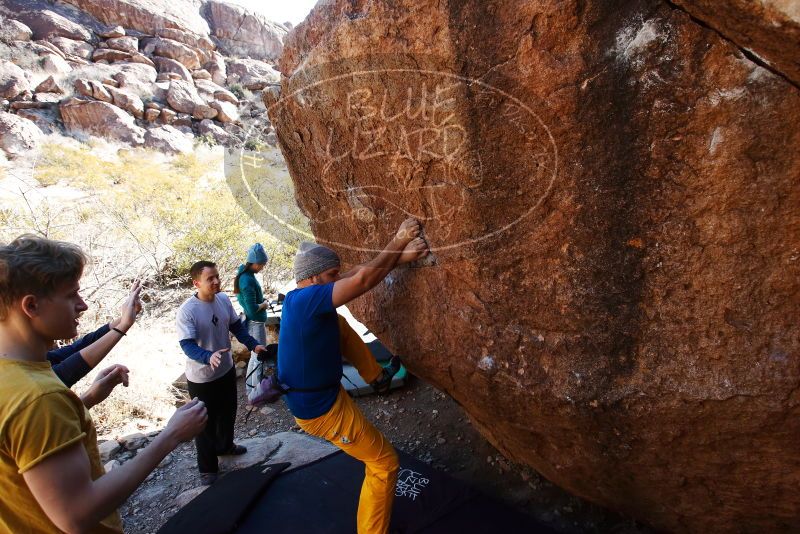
(46, 119)
(135, 73)
(168, 116)
(49, 85)
(127, 101)
(110, 55)
(17, 135)
(100, 91)
(46, 99)
(46, 24)
(160, 91)
(251, 73)
(73, 47)
(242, 32)
(226, 112)
(168, 139)
(201, 74)
(151, 114)
(100, 119)
(141, 58)
(209, 91)
(180, 52)
(54, 64)
(148, 16)
(204, 111)
(183, 97)
(216, 67)
(14, 30)
(208, 128)
(82, 87)
(768, 30)
(610, 192)
(167, 65)
(125, 43)
(148, 91)
(200, 42)
(13, 81)
(111, 32)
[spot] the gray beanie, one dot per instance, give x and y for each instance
(312, 259)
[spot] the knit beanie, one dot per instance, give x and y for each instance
(256, 254)
(312, 259)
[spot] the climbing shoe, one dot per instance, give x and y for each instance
(383, 383)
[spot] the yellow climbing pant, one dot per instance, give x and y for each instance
(357, 352)
(346, 427)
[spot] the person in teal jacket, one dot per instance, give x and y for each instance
(251, 297)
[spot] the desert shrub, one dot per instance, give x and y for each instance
(254, 144)
(72, 165)
(238, 90)
(215, 228)
(206, 139)
(167, 212)
(6, 215)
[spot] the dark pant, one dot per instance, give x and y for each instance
(216, 438)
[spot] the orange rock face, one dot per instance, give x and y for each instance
(611, 196)
(769, 31)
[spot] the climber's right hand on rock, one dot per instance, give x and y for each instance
(408, 230)
(415, 250)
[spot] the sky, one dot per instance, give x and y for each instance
(293, 11)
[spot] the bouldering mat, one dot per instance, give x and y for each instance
(221, 510)
(322, 498)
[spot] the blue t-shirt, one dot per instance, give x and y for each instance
(308, 350)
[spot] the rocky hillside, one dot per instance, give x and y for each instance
(610, 191)
(153, 73)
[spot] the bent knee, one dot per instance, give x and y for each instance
(391, 461)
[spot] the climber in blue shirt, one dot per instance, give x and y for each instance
(310, 363)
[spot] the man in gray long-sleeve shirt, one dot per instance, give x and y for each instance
(204, 322)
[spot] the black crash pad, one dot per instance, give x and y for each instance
(322, 498)
(221, 508)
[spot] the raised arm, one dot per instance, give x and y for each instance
(62, 354)
(362, 278)
(73, 362)
(94, 353)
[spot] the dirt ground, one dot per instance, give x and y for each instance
(419, 420)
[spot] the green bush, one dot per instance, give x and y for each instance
(237, 90)
(254, 144)
(170, 211)
(206, 139)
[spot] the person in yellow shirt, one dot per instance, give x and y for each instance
(51, 479)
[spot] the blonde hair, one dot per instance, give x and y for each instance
(33, 265)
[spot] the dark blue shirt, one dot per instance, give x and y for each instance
(309, 356)
(68, 363)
